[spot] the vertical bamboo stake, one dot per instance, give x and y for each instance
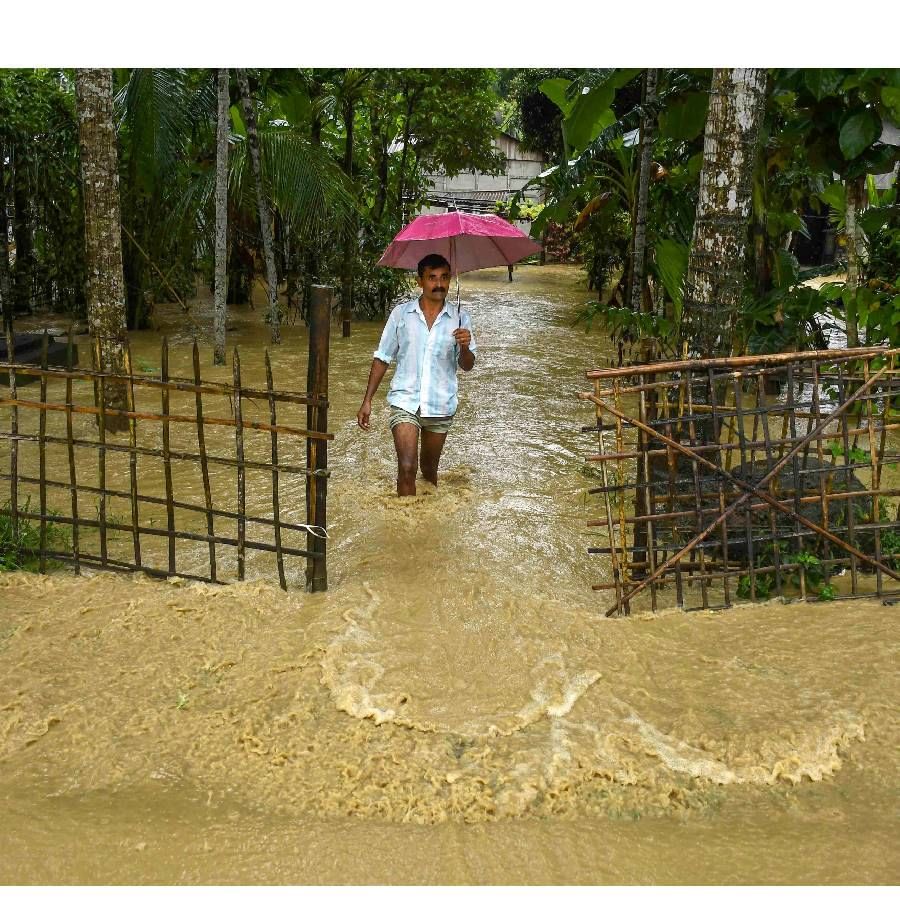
(875, 469)
(70, 440)
(816, 410)
(42, 457)
(742, 441)
(14, 432)
(276, 514)
(132, 460)
(795, 466)
(317, 420)
(773, 488)
(241, 486)
(100, 395)
(717, 430)
(620, 474)
(643, 444)
(698, 488)
(204, 466)
(610, 526)
(671, 466)
(167, 462)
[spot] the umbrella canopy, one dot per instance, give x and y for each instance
(466, 240)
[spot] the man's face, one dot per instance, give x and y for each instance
(435, 283)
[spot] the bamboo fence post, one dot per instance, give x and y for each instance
(875, 469)
(717, 430)
(132, 458)
(317, 449)
(610, 527)
(204, 466)
(698, 488)
(276, 514)
(798, 480)
(14, 436)
(643, 445)
(73, 477)
(816, 411)
(42, 459)
(167, 462)
(738, 388)
(100, 394)
(770, 462)
(241, 475)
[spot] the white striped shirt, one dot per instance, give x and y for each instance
(425, 380)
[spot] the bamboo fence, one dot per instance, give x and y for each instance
(88, 429)
(748, 477)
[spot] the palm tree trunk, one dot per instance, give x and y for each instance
(6, 311)
(854, 257)
(264, 221)
(221, 280)
(380, 140)
(648, 132)
(22, 231)
(407, 131)
(349, 229)
(715, 277)
(102, 227)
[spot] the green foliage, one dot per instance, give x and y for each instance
(39, 149)
(527, 211)
(859, 130)
(811, 567)
(670, 265)
(21, 549)
(876, 308)
(685, 117)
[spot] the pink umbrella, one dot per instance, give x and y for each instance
(468, 241)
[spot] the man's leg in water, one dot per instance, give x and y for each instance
(430, 456)
(406, 443)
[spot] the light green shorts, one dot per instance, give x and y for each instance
(438, 424)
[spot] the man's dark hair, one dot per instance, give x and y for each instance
(432, 261)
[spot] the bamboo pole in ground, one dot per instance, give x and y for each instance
(241, 473)
(100, 394)
(14, 439)
(204, 465)
(42, 457)
(167, 461)
(132, 458)
(317, 421)
(73, 476)
(276, 514)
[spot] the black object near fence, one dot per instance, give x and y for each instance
(749, 477)
(193, 478)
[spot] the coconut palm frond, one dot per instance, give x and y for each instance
(302, 181)
(156, 114)
(192, 202)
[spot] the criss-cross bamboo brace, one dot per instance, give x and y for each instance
(748, 488)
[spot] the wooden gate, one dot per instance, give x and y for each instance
(749, 477)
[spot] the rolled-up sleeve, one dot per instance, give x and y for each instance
(390, 341)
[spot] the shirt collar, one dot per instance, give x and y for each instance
(415, 308)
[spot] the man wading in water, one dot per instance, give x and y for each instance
(422, 336)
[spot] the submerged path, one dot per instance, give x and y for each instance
(456, 708)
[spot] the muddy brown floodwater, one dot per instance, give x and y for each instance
(456, 709)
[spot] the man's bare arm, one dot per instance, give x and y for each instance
(466, 357)
(376, 373)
